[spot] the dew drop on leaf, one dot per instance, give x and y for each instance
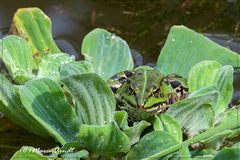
(107, 37)
(113, 36)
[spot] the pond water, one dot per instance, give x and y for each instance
(143, 24)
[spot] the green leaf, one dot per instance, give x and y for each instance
(16, 54)
(151, 144)
(191, 112)
(94, 99)
(184, 48)
(157, 123)
(208, 73)
(45, 101)
(216, 141)
(230, 122)
(103, 139)
(121, 118)
(75, 156)
(71, 146)
(34, 26)
(12, 108)
(108, 54)
(184, 153)
(136, 130)
(228, 154)
(169, 125)
(236, 145)
(235, 133)
(203, 154)
(50, 65)
(28, 153)
(79, 67)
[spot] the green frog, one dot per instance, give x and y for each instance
(145, 91)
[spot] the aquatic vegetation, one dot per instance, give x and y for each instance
(50, 94)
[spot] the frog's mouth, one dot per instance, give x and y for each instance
(149, 105)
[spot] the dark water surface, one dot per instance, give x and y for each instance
(143, 24)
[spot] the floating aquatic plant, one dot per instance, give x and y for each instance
(52, 95)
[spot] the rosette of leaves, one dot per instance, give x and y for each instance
(52, 95)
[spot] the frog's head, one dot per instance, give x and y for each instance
(146, 85)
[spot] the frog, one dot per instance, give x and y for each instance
(145, 92)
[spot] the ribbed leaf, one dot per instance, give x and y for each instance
(209, 73)
(151, 144)
(185, 48)
(94, 99)
(191, 112)
(12, 107)
(170, 125)
(79, 67)
(51, 64)
(108, 54)
(16, 54)
(34, 26)
(45, 101)
(28, 153)
(103, 139)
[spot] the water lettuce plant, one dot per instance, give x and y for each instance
(50, 94)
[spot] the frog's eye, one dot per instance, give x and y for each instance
(154, 89)
(155, 92)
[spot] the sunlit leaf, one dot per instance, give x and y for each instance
(50, 65)
(107, 53)
(16, 54)
(191, 112)
(208, 73)
(184, 48)
(34, 26)
(94, 99)
(45, 101)
(12, 108)
(79, 67)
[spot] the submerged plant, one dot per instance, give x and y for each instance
(52, 95)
